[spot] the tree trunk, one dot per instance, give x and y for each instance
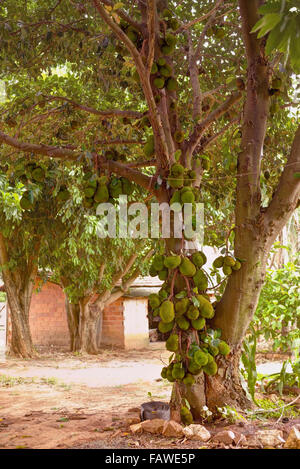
(73, 315)
(21, 342)
(88, 327)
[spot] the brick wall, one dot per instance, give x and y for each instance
(113, 324)
(47, 317)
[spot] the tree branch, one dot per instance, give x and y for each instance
(212, 117)
(151, 14)
(287, 194)
(106, 113)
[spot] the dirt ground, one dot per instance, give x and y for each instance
(62, 400)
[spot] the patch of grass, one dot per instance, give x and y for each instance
(10, 381)
(273, 410)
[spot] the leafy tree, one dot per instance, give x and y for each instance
(196, 84)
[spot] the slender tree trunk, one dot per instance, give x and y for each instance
(19, 303)
(73, 315)
(88, 327)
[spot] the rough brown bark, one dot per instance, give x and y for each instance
(88, 327)
(73, 315)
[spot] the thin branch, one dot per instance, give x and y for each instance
(124, 15)
(151, 13)
(212, 117)
(106, 113)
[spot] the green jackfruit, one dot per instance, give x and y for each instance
(182, 323)
(193, 368)
(237, 265)
(177, 169)
(170, 375)
(187, 197)
(89, 192)
(163, 274)
(173, 24)
(227, 270)
(189, 379)
(176, 183)
(175, 198)
(172, 85)
(167, 50)
(165, 71)
(163, 294)
(181, 306)
(161, 61)
(187, 268)
(159, 82)
(154, 68)
(211, 368)
(149, 147)
(206, 308)
(224, 348)
(198, 324)
(197, 259)
(178, 372)
(127, 186)
(200, 358)
(179, 135)
(88, 202)
(115, 188)
(158, 262)
(170, 39)
(63, 195)
(164, 327)
(218, 262)
(172, 343)
(213, 350)
(172, 262)
(200, 280)
(152, 271)
(192, 312)
(25, 203)
(38, 175)
(166, 311)
(163, 373)
(186, 416)
(154, 300)
(228, 260)
(102, 194)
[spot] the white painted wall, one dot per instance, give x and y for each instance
(136, 328)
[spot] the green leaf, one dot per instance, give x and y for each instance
(266, 24)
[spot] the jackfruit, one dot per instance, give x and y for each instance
(163, 274)
(149, 147)
(175, 182)
(179, 136)
(152, 271)
(115, 188)
(187, 197)
(200, 358)
(205, 164)
(172, 343)
(178, 372)
(161, 61)
(172, 262)
(88, 202)
(186, 416)
(159, 82)
(164, 327)
(170, 375)
(224, 348)
(182, 323)
(213, 350)
(227, 270)
(170, 39)
(89, 192)
(198, 324)
(192, 312)
(154, 300)
(166, 311)
(102, 180)
(173, 24)
(200, 280)
(38, 174)
(163, 294)
(181, 306)
(164, 371)
(154, 69)
(171, 85)
(237, 265)
(211, 368)
(197, 259)
(187, 268)
(127, 186)
(193, 368)
(102, 194)
(218, 262)
(189, 379)
(177, 169)
(165, 71)
(175, 198)
(228, 260)
(63, 195)
(206, 308)
(158, 262)
(167, 50)
(25, 203)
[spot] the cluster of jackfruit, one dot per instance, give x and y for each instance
(104, 189)
(227, 263)
(162, 71)
(181, 178)
(30, 172)
(132, 33)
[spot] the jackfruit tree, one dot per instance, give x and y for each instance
(191, 101)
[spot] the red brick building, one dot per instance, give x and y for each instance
(125, 322)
